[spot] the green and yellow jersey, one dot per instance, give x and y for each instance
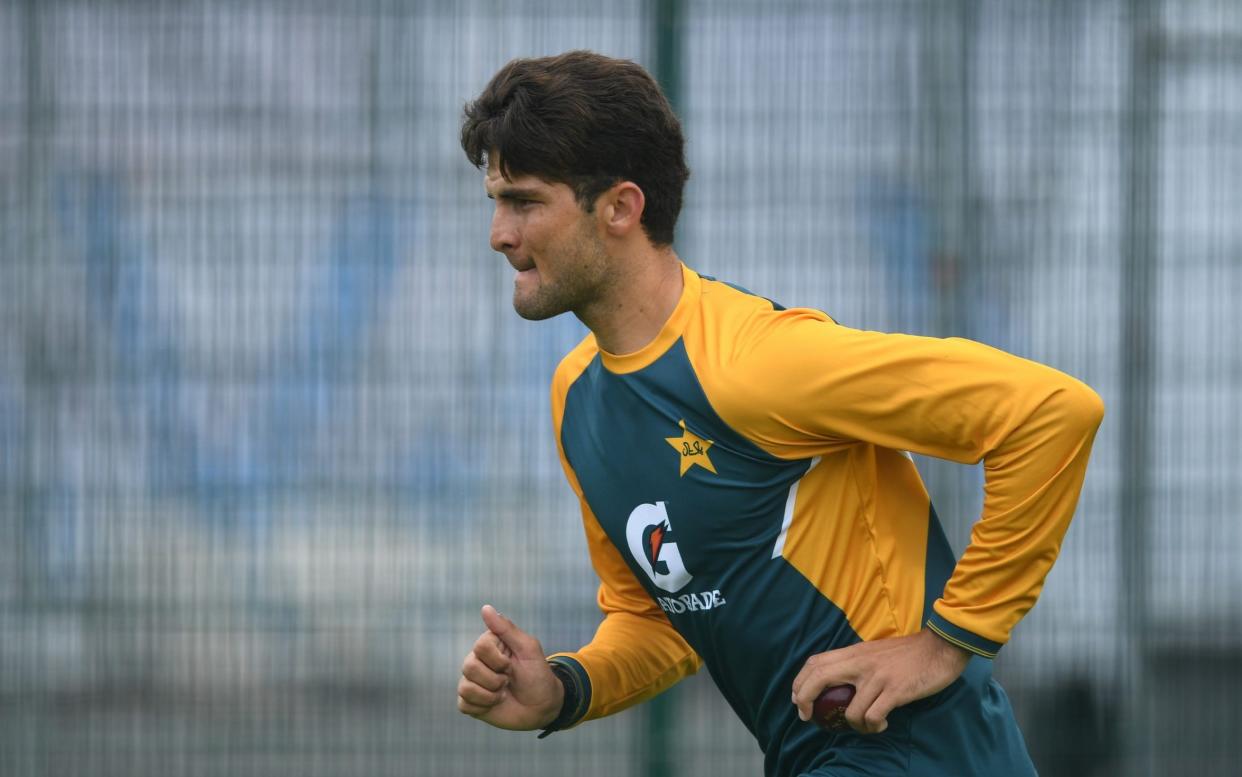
(749, 501)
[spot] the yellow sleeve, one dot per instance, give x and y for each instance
(635, 653)
(800, 385)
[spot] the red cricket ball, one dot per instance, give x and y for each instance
(829, 710)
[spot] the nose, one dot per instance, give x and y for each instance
(504, 236)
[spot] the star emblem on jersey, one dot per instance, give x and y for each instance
(691, 449)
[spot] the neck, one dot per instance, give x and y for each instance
(638, 304)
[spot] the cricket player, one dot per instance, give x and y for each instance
(747, 494)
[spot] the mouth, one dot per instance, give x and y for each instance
(521, 265)
(526, 270)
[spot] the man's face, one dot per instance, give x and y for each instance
(552, 243)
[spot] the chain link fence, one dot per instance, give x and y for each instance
(270, 432)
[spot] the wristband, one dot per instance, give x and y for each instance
(569, 707)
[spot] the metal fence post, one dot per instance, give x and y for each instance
(1138, 302)
(661, 716)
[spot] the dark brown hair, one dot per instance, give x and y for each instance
(585, 120)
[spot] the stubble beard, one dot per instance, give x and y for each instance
(580, 281)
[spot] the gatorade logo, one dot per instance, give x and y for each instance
(650, 538)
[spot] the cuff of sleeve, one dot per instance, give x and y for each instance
(577, 693)
(963, 638)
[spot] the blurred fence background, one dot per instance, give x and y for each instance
(271, 433)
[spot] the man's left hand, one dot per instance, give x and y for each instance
(886, 674)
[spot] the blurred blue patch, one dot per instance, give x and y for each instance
(933, 290)
(321, 351)
(901, 228)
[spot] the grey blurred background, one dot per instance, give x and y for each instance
(271, 433)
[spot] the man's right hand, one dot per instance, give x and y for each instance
(505, 679)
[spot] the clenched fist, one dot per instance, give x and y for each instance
(505, 679)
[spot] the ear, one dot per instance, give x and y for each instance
(621, 208)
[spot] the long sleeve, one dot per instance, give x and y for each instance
(635, 653)
(800, 385)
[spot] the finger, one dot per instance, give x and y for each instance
(492, 653)
(805, 693)
(804, 698)
(876, 716)
(498, 624)
(801, 678)
(832, 661)
(522, 644)
(864, 697)
(477, 695)
(810, 684)
(473, 710)
(488, 637)
(478, 673)
(810, 667)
